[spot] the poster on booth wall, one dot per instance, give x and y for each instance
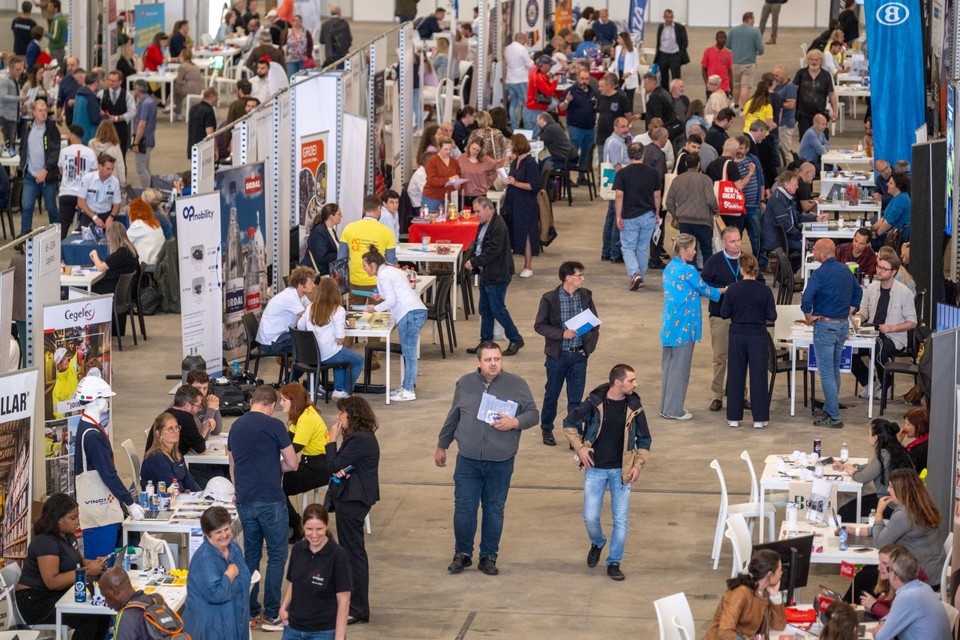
(17, 414)
(562, 16)
(148, 19)
(381, 171)
(76, 344)
(201, 278)
(243, 250)
(311, 182)
(531, 21)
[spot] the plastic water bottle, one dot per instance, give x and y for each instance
(872, 519)
(843, 538)
(844, 453)
(80, 585)
(150, 489)
(174, 488)
(126, 560)
(235, 367)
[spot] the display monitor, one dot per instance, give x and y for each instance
(340, 271)
(795, 557)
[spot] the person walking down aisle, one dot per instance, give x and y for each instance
(681, 326)
(638, 191)
(610, 435)
(671, 52)
(259, 452)
(745, 43)
(753, 602)
(749, 305)
(485, 457)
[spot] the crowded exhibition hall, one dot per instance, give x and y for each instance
(300, 293)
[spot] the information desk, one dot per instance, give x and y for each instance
(461, 231)
(81, 278)
(175, 596)
(184, 519)
(163, 79)
(75, 250)
(827, 545)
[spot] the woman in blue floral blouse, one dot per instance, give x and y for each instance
(682, 288)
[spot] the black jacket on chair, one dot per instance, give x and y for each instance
(495, 259)
(361, 450)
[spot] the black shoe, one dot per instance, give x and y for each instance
(593, 556)
(636, 282)
(459, 563)
(352, 620)
(613, 570)
(473, 350)
(716, 405)
(514, 348)
(489, 565)
(548, 438)
(604, 258)
(829, 422)
(819, 414)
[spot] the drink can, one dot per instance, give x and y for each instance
(154, 503)
(161, 487)
(164, 503)
(817, 445)
(144, 500)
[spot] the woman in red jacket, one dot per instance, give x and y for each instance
(153, 57)
(441, 168)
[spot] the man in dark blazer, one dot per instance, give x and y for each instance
(671, 49)
(567, 349)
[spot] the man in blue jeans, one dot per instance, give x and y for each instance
(260, 452)
(614, 153)
(581, 106)
(610, 435)
(638, 212)
(832, 294)
(487, 449)
(39, 155)
(567, 349)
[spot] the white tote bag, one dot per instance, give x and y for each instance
(607, 175)
(98, 506)
(669, 177)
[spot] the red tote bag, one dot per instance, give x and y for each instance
(730, 200)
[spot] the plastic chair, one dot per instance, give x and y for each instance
(674, 617)
(188, 100)
(254, 351)
(122, 304)
(134, 460)
(9, 577)
(778, 500)
(306, 357)
(778, 361)
(909, 367)
(741, 540)
(952, 617)
(747, 509)
(947, 558)
(440, 312)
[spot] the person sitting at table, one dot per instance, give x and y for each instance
(917, 612)
(49, 570)
(916, 425)
(495, 146)
(283, 311)
(153, 57)
(327, 319)
(309, 435)
(218, 583)
(154, 198)
(121, 260)
(562, 151)
(209, 413)
(897, 213)
(814, 142)
(145, 232)
(185, 407)
(441, 169)
(323, 243)
(189, 80)
(859, 250)
(394, 295)
(227, 27)
(418, 180)
(842, 622)
(752, 603)
(782, 212)
(478, 169)
(99, 202)
(163, 462)
(888, 456)
(877, 601)
(107, 141)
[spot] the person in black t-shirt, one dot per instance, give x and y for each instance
(814, 88)
(611, 104)
(610, 435)
(122, 260)
(203, 119)
(318, 598)
(21, 27)
(638, 189)
(187, 401)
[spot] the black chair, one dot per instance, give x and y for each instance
(306, 357)
(13, 206)
(591, 174)
(440, 312)
(254, 351)
(784, 242)
(368, 362)
(783, 276)
(909, 367)
(143, 279)
(123, 305)
(778, 361)
(563, 174)
(466, 291)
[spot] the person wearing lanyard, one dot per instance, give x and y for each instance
(100, 194)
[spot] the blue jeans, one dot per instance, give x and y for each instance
(754, 224)
(582, 139)
(572, 368)
(31, 189)
(595, 483)
(635, 242)
(344, 380)
(516, 99)
(417, 117)
(293, 67)
(704, 236)
(289, 633)
(431, 204)
(283, 345)
(409, 328)
(265, 521)
(493, 306)
(611, 234)
(828, 339)
(479, 483)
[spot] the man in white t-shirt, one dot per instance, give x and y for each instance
(283, 311)
(518, 63)
(75, 161)
(99, 199)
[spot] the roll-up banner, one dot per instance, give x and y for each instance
(638, 13)
(17, 415)
(148, 20)
(896, 75)
(201, 278)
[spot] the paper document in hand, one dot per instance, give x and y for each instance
(491, 407)
(503, 173)
(657, 232)
(583, 322)
(456, 183)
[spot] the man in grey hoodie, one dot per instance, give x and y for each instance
(487, 448)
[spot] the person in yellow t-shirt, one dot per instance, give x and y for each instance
(355, 240)
(67, 378)
(310, 436)
(758, 107)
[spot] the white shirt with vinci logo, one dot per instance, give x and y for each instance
(74, 162)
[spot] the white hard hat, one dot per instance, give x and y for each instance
(91, 388)
(95, 372)
(58, 355)
(220, 489)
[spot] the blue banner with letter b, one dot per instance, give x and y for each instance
(895, 44)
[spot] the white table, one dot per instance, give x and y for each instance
(227, 51)
(174, 595)
(852, 78)
(852, 91)
(364, 330)
(831, 553)
(413, 252)
(215, 453)
(81, 278)
(846, 157)
(816, 230)
(163, 79)
(174, 521)
(804, 338)
(830, 178)
(841, 207)
(10, 161)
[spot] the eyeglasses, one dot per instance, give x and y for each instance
(171, 427)
(879, 268)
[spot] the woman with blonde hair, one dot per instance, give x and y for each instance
(145, 232)
(155, 199)
(162, 462)
(189, 81)
(127, 62)
(326, 318)
(106, 140)
(123, 259)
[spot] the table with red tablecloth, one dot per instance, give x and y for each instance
(461, 231)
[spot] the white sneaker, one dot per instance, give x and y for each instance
(760, 425)
(402, 395)
(337, 394)
(686, 416)
(865, 392)
(733, 424)
(526, 273)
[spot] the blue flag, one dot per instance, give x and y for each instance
(895, 42)
(638, 14)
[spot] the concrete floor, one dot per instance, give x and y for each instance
(545, 589)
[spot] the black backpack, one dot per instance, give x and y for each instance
(340, 38)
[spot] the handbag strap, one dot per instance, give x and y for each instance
(83, 452)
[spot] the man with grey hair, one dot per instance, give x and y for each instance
(814, 142)
(717, 99)
(144, 130)
(916, 612)
(653, 155)
(787, 128)
(638, 188)
(615, 153)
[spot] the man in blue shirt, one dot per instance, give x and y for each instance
(431, 24)
(604, 29)
(832, 293)
(814, 142)
(581, 106)
(614, 153)
(916, 613)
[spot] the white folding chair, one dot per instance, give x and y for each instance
(169, 557)
(747, 509)
(947, 559)
(313, 496)
(675, 618)
(134, 461)
(9, 613)
(778, 500)
(740, 539)
(952, 616)
(206, 39)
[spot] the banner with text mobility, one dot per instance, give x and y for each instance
(243, 251)
(201, 278)
(638, 13)
(148, 19)
(76, 344)
(894, 31)
(17, 414)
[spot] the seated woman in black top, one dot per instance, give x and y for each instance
(123, 259)
(162, 462)
(916, 425)
(49, 570)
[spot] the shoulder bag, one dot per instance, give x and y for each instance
(730, 200)
(98, 506)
